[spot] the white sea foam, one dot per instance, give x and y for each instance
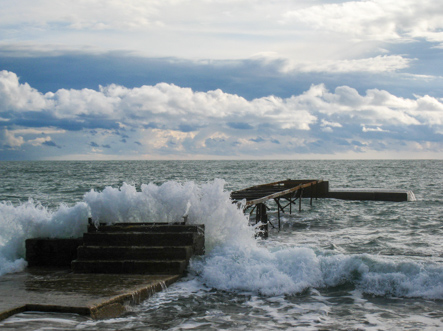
(293, 270)
(411, 196)
(32, 220)
(207, 204)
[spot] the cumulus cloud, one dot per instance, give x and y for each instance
(384, 20)
(8, 139)
(11, 140)
(146, 106)
(168, 119)
(19, 97)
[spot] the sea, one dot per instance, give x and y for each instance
(336, 265)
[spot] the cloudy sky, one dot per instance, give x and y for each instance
(221, 79)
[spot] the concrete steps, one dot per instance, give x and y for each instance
(139, 248)
(132, 252)
(160, 239)
(145, 227)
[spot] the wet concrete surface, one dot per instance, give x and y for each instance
(60, 290)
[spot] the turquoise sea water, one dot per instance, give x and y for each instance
(345, 265)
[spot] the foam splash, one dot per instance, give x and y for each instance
(411, 196)
(294, 270)
(258, 270)
(32, 220)
(207, 204)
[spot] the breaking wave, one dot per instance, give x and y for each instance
(234, 260)
(207, 204)
(295, 269)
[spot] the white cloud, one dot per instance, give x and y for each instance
(91, 14)
(373, 108)
(16, 96)
(385, 63)
(38, 141)
(169, 119)
(384, 20)
(377, 129)
(203, 30)
(172, 139)
(13, 140)
(328, 33)
(378, 64)
(167, 106)
(8, 138)
(331, 124)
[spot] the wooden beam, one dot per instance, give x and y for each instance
(276, 194)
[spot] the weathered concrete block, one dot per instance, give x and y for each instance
(370, 194)
(51, 252)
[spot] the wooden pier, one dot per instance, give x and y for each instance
(284, 193)
(288, 192)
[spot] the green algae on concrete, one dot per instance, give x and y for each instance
(60, 290)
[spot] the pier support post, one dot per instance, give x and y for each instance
(278, 211)
(299, 201)
(262, 216)
(310, 202)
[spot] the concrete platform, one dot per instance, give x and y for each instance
(291, 190)
(60, 290)
(371, 194)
